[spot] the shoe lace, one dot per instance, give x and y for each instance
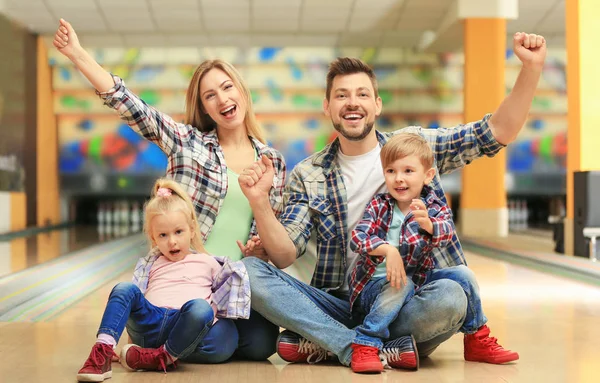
(390, 354)
(98, 355)
(490, 342)
(364, 353)
(150, 357)
(313, 351)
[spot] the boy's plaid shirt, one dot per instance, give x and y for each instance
(415, 245)
(316, 202)
(196, 159)
(231, 286)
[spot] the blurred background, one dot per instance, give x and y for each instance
(88, 168)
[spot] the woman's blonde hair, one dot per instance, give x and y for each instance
(178, 200)
(194, 112)
(406, 144)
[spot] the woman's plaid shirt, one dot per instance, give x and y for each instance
(196, 160)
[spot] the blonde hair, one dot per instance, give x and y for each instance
(407, 144)
(194, 114)
(178, 200)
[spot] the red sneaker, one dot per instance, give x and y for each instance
(97, 366)
(136, 358)
(401, 353)
(293, 348)
(365, 359)
(480, 347)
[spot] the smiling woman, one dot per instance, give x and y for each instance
(206, 153)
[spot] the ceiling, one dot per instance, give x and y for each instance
(364, 23)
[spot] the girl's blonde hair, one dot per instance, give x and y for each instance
(406, 144)
(194, 112)
(178, 200)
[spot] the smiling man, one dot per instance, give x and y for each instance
(325, 198)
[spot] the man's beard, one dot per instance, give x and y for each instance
(357, 137)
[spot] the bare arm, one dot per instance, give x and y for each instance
(67, 43)
(273, 235)
(512, 113)
(255, 183)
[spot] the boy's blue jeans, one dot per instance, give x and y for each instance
(187, 333)
(380, 303)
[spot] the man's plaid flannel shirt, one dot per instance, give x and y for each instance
(415, 246)
(196, 159)
(231, 286)
(315, 196)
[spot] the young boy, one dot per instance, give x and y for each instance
(396, 238)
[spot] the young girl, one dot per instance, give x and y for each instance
(170, 310)
(218, 139)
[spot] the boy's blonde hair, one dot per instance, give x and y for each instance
(407, 144)
(178, 200)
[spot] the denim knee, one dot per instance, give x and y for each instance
(453, 305)
(199, 309)
(466, 274)
(124, 289)
(218, 346)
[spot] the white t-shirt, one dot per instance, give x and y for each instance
(363, 179)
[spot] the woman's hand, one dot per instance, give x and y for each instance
(65, 39)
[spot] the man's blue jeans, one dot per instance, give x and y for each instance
(186, 333)
(432, 316)
(379, 303)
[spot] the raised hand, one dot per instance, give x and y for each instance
(256, 181)
(421, 215)
(65, 39)
(530, 49)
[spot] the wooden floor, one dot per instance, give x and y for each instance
(553, 323)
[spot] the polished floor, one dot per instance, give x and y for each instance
(554, 323)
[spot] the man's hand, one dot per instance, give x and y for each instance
(530, 49)
(253, 248)
(421, 215)
(256, 180)
(395, 268)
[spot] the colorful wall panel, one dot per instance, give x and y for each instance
(288, 89)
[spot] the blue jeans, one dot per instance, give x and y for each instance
(181, 331)
(379, 303)
(433, 315)
(257, 337)
(465, 277)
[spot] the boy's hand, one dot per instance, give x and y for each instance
(395, 268)
(421, 215)
(253, 248)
